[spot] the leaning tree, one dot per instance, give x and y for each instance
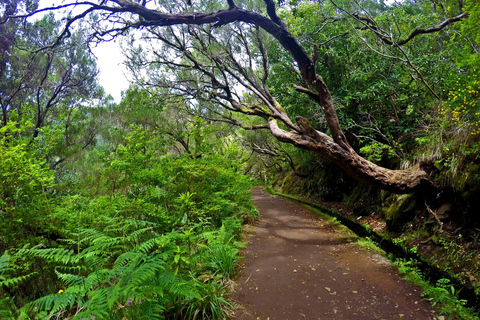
(215, 47)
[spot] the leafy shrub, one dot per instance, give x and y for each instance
(463, 104)
(25, 182)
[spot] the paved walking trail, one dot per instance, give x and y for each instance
(299, 266)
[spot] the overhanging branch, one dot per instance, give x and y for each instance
(417, 32)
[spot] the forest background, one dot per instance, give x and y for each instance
(134, 209)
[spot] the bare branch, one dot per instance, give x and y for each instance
(208, 79)
(273, 14)
(381, 53)
(417, 32)
(371, 24)
(311, 94)
(264, 60)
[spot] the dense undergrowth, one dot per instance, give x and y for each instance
(135, 233)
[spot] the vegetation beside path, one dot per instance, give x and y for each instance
(132, 208)
(135, 233)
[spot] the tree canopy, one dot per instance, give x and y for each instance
(213, 48)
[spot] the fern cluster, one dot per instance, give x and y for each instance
(138, 235)
(129, 271)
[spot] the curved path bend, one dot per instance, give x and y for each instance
(300, 266)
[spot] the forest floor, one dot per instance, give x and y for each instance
(299, 265)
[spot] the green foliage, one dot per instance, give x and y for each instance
(209, 304)
(457, 256)
(375, 151)
(106, 271)
(369, 244)
(128, 269)
(47, 87)
(463, 103)
(470, 27)
(24, 187)
(142, 214)
(222, 249)
(141, 234)
(443, 294)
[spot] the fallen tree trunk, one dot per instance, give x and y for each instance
(396, 181)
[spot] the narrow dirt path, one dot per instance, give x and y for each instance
(299, 266)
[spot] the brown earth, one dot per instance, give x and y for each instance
(301, 266)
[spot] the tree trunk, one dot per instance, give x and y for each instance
(396, 181)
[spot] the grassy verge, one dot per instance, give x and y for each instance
(442, 295)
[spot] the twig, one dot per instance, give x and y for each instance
(440, 223)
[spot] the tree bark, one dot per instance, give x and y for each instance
(396, 181)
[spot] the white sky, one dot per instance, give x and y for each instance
(112, 75)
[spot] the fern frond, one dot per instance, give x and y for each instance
(88, 235)
(106, 242)
(4, 260)
(75, 268)
(11, 282)
(70, 279)
(93, 261)
(146, 246)
(127, 257)
(56, 254)
(97, 278)
(53, 303)
(147, 271)
(93, 312)
(7, 310)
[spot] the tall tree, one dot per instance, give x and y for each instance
(197, 23)
(48, 86)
